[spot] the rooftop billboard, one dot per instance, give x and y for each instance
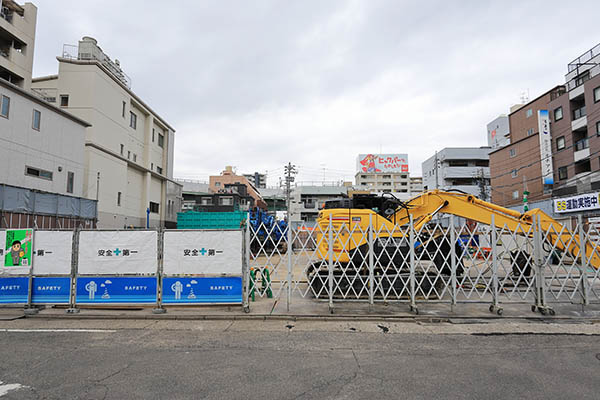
(372, 163)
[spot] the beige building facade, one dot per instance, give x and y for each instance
(128, 148)
(17, 37)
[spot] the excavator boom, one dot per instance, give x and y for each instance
(425, 206)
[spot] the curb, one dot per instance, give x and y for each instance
(295, 317)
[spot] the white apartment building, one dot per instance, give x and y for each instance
(306, 201)
(462, 168)
(17, 37)
(416, 185)
(41, 146)
(386, 173)
(128, 148)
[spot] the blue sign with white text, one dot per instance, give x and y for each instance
(55, 290)
(202, 290)
(116, 289)
(14, 289)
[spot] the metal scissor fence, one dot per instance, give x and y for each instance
(450, 262)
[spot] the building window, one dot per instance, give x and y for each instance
(38, 173)
(161, 140)
(70, 181)
(119, 199)
(128, 154)
(597, 94)
(133, 120)
(152, 135)
(122, 149)
(153, 207)
(560, 143)
(159, 169)
(529, 131)
(558, 114)
(206, 201)
(598, 128)
(134, 157)
(64, 100)
(5, 106)
(512, 153)
(562, 173)
(515, 195)
(123, 110)
(529, 113)
(37, 120)
(514, 173)
(225, 201)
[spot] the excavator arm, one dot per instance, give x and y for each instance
(424, 207)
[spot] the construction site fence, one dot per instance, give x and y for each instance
(454, 263)
(76, 268)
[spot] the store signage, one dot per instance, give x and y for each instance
(545, 147)
(583, 202)
(373, 163)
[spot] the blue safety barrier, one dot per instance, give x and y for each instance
(115, 290)
(51, 290)
(14, 289)
(190, 290)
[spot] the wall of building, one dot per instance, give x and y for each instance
(20, 28)
(465, 177)
(498, 131)
(128, 157)
(57, 147)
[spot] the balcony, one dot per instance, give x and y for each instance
(465, 172)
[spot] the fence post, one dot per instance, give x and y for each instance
(539, 270)
(371, 262)
(584, 278)
(413, 305)
(74, 269)
(246, 267)
(453, 262)
(330, 265)
(494, 306)
(29, 308)
(289, 266)
(159, 272)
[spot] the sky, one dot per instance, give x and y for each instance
(257, 84)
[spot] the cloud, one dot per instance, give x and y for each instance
(313, 82)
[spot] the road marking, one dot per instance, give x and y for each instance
(4, 389)
(61, 330)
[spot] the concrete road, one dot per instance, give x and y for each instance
(128, 359)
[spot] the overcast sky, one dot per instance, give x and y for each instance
(255, 84)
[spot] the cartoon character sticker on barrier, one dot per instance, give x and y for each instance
(18, 246)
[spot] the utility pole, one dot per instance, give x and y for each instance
(525, 195)
(290, 171)
(482, 186)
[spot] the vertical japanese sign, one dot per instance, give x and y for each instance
(545, 147)
(18, 244)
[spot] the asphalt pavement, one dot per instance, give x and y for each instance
(276, 359)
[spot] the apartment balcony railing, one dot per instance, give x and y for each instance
(6, 14)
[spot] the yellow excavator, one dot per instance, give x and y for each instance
(350, 219)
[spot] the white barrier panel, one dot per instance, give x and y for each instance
(117, 252)
(52, 252)
(202, 252)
